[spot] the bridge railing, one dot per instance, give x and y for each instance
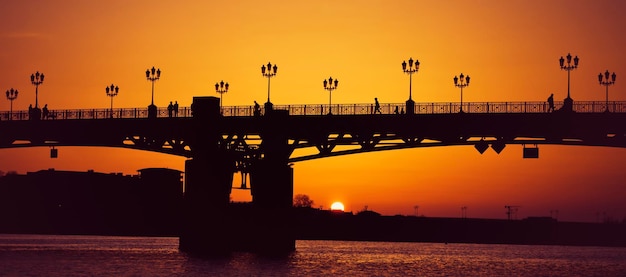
(445, 108)
(336, 109)
(94, 114)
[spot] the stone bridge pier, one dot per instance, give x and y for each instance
(212, 225)
(271, 182)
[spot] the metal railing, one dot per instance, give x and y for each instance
(335, 109)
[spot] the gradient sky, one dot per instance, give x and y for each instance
(509, 48)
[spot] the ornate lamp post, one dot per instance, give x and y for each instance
(330, 85)
(11, 95)
(569, 102)
(36, 79)
(461, 82)
(221, 88)
(412, 68)
(112, 92)
(607, 82)
(152, 75)
(268, 72)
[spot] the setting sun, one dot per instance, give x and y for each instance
(337, 206)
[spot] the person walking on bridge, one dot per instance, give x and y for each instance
(376, 106)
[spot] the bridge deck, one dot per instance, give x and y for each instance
(337, 109)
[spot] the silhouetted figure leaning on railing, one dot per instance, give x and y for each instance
(257, 109)
(170, 109)
(551, 103)
(45, 112)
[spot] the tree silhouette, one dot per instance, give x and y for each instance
(302, 201)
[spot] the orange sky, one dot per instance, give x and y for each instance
(509, 48)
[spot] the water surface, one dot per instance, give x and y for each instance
(44, 255)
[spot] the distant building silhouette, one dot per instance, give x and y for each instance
(51, 201)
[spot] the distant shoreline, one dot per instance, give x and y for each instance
(313, 224)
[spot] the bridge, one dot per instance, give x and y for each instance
(221, 141)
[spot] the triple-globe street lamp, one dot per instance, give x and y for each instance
(412, 68)
(11, 95)
(36, 79)
(112, 92)
(221, 88)
(568, 104)
(461, 81)
(330, 85)
(606, 80)
(152, 75)
(268, 72)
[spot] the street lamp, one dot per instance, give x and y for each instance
(268, 72)
(221, 88)
(11, 95)
(36, 79)
(568, 103)
(412, 68)
(461, 82)
(607, 82)
(330, 85)
(152, 75)
(112, 92)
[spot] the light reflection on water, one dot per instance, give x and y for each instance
(42, 255)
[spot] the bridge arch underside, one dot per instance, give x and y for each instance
(170, 147)
(156, 136)
(336, 147)
(339, 144)
(314, 137)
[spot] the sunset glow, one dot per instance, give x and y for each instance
(511, 50)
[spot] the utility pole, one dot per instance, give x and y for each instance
(511, 212)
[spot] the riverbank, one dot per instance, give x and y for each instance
(369, 226)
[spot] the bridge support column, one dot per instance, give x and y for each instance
(272, 193)
(208, 183)
(271, 182)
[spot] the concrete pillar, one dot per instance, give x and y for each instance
(271, 182)
(208, 183)
(207, 196)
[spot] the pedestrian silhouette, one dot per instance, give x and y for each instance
(45, 111)
(176, 108)
(170, 109)
(257, 109)
(376, 106)
(396, 110)
(551, 103)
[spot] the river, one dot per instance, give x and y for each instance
(54, 255)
